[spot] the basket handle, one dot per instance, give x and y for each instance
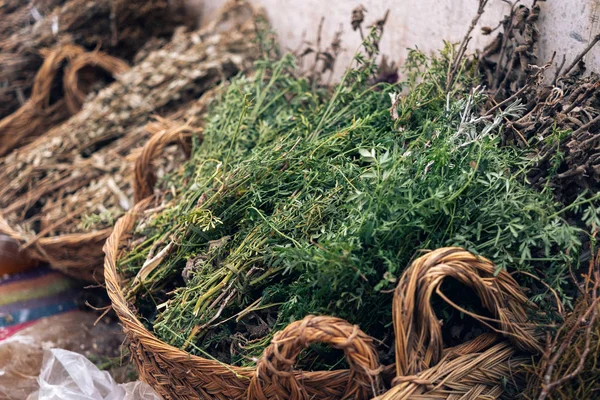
(44, 78)
(275, 376)
(164, 132)
(74, 95)
(418, 331)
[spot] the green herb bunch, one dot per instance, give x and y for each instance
(305, 201)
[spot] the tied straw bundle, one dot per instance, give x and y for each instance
(76, 249)
(119, 28)
(66, 189)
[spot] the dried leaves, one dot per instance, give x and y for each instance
(561, 123)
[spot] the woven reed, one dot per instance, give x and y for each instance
(75, 88)
(164, 132)
(38, 114)
(423, 370)
(79, 254)
(85, 166)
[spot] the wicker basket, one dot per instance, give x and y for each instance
(39, 113)
(80, 255)
(423, 368)
(62, 192)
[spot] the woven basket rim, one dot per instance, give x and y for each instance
(171, 369)
(133, 324)
(6, 229)
(52, 249)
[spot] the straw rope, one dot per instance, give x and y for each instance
(164, 132)
(474, 369)
(424, 369)
(275, 377)
(74, 93)
(38, 114)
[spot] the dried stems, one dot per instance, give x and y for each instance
(560, 122)
(462, 48)
(88, 24)
(39, 113)
(65, 190)
(582, 54)
(575, 346)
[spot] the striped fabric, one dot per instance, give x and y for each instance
(29, 296)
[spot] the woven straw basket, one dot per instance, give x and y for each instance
(423, 369)
(62, 191)
(80, 255)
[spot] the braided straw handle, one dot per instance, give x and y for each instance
(53, 59)
(74, 95)
(276, 378)
(422, 365)
(164, 132)
(37, 112)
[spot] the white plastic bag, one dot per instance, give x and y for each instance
(70, 376)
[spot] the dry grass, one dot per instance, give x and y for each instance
(569, 366)
(119, 27)
(64, 190)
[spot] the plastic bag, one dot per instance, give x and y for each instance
(21, 355)
(70, 376)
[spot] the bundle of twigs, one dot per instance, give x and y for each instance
(561, 124)
(568, 368)
(65, 189)
(118, 27)
(42, 111)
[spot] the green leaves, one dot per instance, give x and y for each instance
(325, 197)
(368, 155)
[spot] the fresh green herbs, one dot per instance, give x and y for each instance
(305, 201)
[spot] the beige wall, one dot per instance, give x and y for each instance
(566, 26)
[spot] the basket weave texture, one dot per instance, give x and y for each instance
(82, 169)
(78, 254)
(423, 368)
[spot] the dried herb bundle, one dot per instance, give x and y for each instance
(561, 122)
(303, 200)
(117, 27)
(66, 188)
